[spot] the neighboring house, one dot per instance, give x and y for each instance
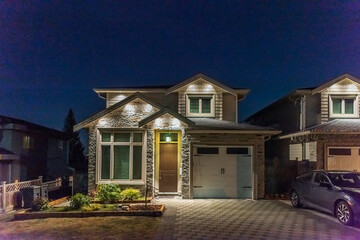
(182, 139)
(28, 150)
(321, 128)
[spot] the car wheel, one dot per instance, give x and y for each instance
(295, 200)
(344, 213)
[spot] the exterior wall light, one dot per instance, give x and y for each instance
(168, 139)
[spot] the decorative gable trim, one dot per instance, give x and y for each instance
(166, 110)
(112, 108)
(204, 77)
(336, 80)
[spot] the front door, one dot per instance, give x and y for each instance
(168, 167)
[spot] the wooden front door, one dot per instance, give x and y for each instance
(168, 167)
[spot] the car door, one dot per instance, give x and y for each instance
(304, 186)
(322, 196)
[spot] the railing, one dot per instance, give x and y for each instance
(11, 197)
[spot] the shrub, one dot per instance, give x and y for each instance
(40, 204)
(90, 208)
(130, 194)
(108, 193)
(79, 200)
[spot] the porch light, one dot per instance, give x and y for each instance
(168, 139)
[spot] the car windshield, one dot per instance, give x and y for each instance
(351, 180)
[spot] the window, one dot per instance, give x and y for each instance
(344, 106)
(239, 150)
(340, 151)
(28, 142)
(321, 178)
(306, 177)
(207, 150)
(200, 105)
(121, 156)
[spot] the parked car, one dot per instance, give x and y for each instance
(335, 192)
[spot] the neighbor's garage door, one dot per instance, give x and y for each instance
(344, 158)
(222, 172)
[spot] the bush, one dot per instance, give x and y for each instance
(79, 200)
(92, 207)
(108, 193)
(40, 204)
(130, 194)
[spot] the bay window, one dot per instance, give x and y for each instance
(121, 156)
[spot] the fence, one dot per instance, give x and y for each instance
(10, 194)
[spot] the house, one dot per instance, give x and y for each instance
(182, 139)
(28, 150)
(321, 128)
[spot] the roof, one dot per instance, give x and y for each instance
(163, 111)
(98, 115)
(31, 126)
(5, 151)
(217, 125)
(336, 126)
(6, 155)
(335, 80)
(170, 88)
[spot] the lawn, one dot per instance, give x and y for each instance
(81, 228)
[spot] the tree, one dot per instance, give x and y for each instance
(76, 155)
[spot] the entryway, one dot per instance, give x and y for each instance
(168, 159)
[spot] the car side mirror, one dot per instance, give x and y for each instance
(325, 184)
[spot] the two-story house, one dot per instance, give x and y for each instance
(321, 128)
(182, 139)
(28, 150)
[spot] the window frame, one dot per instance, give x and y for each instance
(112, 143)
(355, 99)
(200, 96)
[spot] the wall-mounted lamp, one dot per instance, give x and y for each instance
(168, 139)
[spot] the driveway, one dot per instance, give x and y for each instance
(246, 219)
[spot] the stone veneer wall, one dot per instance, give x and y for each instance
(121, 118)
(150, 159)
(185, 164)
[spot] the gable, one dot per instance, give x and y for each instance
(126, 113)
(201, 83)
(345, 82)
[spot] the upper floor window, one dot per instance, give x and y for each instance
(200, 106)
(344, 106)
(28, 142)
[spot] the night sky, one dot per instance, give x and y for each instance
(53, 53)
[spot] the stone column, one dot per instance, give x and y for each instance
(150, 160)
(92, 160)
(185, 164)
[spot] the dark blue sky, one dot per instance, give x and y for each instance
(53, 53)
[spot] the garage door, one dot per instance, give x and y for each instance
(344, 158)
(222, 172)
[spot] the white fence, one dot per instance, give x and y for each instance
(10, 194)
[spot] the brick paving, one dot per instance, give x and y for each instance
(246, 219)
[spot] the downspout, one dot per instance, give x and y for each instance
(303, 123)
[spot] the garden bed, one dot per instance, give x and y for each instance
(106, 211)
(141, 200)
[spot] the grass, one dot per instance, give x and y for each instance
(80, 228)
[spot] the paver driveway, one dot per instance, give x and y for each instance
(246, 219)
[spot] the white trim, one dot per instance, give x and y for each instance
(200, 96)
(129, 181)
(343, 97)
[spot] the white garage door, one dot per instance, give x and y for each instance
(222, 172)
(344, 158)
